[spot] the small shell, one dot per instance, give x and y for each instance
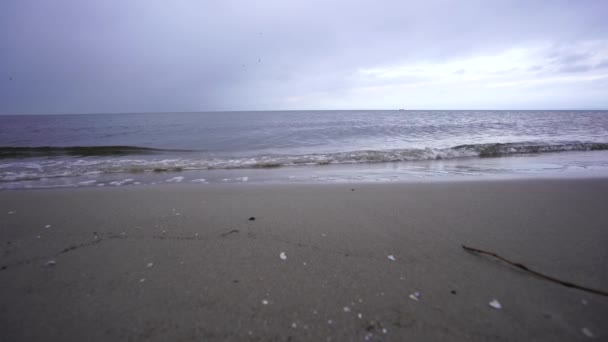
(495, 304)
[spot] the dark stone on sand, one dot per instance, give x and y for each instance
(252, 218)
(453, 292)
(3, 268)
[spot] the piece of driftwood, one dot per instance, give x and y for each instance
(544, 276)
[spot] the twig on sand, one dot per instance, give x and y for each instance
(544, 276)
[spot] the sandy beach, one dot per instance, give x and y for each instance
(304, 262)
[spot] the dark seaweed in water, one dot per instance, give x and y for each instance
(84, 151)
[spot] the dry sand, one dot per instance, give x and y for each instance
(185, 263)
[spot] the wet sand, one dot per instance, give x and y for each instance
(186, 263)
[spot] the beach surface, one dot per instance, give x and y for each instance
(338, 262)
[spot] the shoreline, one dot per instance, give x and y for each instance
(217, 275)
(564, 165)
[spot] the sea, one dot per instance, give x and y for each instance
(96, 150)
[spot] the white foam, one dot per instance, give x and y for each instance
(175, 179)
(121, 182)
(90, 182)
(200, 180)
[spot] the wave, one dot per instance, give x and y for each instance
(77, 151)
(503, 149)
(28, 169)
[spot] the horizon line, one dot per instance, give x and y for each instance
(298, 110)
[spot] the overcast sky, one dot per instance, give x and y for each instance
(80, 56)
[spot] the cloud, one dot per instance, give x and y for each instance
(150, 55)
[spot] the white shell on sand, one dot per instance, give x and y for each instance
(265, 302)
(391, 257)
(587, 332)
(51, 263)
(495, 304)
(47, 226)
(150, 264)
(283, 256)
(415, 296)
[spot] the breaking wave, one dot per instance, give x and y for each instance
(79, 151)
(123, 159)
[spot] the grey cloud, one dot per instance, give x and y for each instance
(124, 56)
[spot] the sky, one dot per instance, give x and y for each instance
(116, 56)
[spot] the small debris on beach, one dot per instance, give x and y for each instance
(234, 231)
(11, 212)
(587, 332)
(495, 304)
(150, 264)
(48, 226)
(360, 315)
(391, 257)
(142, 280)
(51, 263)
(346, 309)
(252, 218)
(415, 296)
(329, 321)
(294, 325)
(384, 331)
(265, 302)
(453, 292)
(283, 256)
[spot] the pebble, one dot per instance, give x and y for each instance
(51, 263)
(150, 264)
(47, 226)
(265, 302)
(495, 304)
(587, 332)
(415, 296)
(283, 256)
(391, 257)
(346, 309)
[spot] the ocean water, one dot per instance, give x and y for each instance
(297, 146)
